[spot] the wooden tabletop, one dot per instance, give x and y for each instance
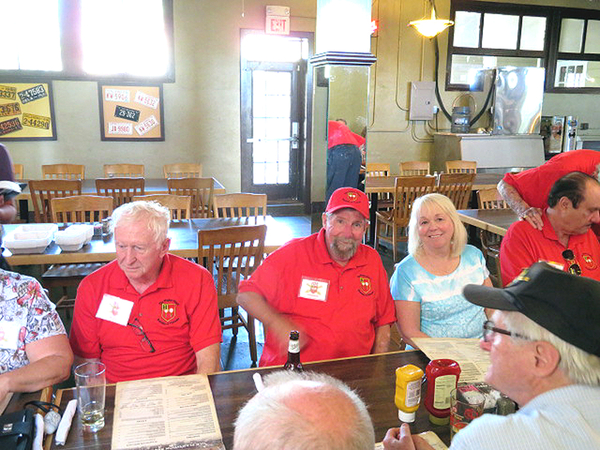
(152, 186)
(183, 234)
(373, 377)
(375, 185)
(493, 220)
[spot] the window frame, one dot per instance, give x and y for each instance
(549, 55)
(71, 52)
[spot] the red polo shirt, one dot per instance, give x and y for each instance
(347, 305)
(523, 245)
(179, 314)
(339, 134)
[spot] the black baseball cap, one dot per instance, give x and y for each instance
(566, 305)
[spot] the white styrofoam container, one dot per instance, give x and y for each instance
(74, 237)
(32, 238)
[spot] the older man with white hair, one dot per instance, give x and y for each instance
(147, 314)
(304, 411)
(544, 344)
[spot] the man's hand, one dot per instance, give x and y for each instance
(533, 216)
(401, 439)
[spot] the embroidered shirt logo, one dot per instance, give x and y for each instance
(589, 261)
(168, 311)
(366, 287)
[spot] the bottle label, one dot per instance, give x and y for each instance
(413, 393)
(443, 387)
(294, 346)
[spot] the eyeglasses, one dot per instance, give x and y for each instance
(489, 329)
(138, 329)
(569, 256)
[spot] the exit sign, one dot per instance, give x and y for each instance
(278, 20)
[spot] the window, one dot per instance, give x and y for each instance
(565, 41)
(88, 39)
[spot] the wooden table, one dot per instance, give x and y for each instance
(379, 185)
(183, 234)
(88, 187)
(372, 376)
(493, 220)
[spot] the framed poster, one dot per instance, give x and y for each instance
(131, 113)
(26, 112)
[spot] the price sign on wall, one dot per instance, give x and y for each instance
(278, 20)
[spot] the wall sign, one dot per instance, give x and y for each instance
(26, 112)
(131, 113)
(277, 20)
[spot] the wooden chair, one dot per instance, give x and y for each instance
(81, 208)
(377, 169)
(182, 170)
(490, 242)
(201, 190)
(122, 190)
(409, 168)
(240, 205)
(180, 206)
(457, 187)
(78, 208)
(18, 171)
(43, 191)
(461, 166)
(407, 189)
(123, 170)
(231, 254)
(63, 171)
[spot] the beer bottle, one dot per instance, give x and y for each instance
(293, 361)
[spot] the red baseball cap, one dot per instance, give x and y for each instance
(349, 198)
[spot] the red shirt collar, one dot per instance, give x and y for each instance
(164, 280)
(323, 256)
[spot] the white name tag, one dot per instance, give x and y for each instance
(114, 309)
(9, 335)
(314, 289)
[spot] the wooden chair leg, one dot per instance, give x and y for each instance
(252, 340)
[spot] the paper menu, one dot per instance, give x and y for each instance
(162, 413)
(473, 361)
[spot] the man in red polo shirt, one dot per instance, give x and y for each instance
(527, 192)
(148, 314)
(329, 286)
(344, 156)
(566, 238)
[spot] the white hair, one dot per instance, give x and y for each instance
(270, 420)
(578, 365)
(152, 213)
(430, 201)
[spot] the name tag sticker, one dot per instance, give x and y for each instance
(314, 289)
(9, 335)
(114, 309)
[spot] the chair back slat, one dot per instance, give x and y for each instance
(411, 168)
(63, 171)
(122, 190)
(406, 191)
(43, 191)
(124, 170)
(459, 166)
(240, 205)
(180, 206)
(490, 198)
(457, 187)
(201, 190)
(81, 208)
(377, 169)
(182, 170)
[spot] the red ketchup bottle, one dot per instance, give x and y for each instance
(442, 377)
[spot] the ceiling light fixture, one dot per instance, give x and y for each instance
(431, 27)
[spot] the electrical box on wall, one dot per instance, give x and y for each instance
(421, 100)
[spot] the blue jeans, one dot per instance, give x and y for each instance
(343, 167)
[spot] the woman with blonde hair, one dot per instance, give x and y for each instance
(427, 285)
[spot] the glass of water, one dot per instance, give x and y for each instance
(90, 380)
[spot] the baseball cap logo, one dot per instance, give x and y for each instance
(351, 197)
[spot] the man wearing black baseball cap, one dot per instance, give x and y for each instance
(329, 286)
(544, 344)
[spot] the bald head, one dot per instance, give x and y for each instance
(304, 411)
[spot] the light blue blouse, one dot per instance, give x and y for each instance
(444, 310)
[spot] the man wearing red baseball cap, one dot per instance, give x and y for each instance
(329, 286)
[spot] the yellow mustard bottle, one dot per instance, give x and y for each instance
(408, 391)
